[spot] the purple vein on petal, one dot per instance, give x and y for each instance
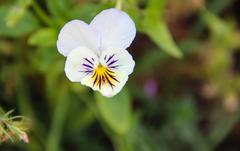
(88, 61)
(86, 65)
(87, 71)
(114, 67)
(112, 62)
(110, 58)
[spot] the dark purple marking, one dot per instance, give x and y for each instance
(87, 71)
(113, 77)
(88, 61)
(93, 59)
(112, 62)
(86, 65)
(110, 58)
(94, 82)
(114, 67)
(105, 57)
(110, 83)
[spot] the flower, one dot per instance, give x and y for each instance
(13, 127)
(21, 136)
(151, 87)
(96, 52)
(25, 138)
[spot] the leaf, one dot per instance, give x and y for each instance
(115, 111)
(222, 32)
(1, 111)
(6, 115)
(45, 60)
(154, 58)
(17, 12)
(217, 26)
(84, 12)
(26, 25)
(160, 34)
(217, 6)
(131, 7)
(45, 37)
(59, 8)
(155, 27)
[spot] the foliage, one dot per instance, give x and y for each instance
(183, 94)
(12, 128)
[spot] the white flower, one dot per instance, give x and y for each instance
(96, 53)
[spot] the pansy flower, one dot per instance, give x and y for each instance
(96, 52)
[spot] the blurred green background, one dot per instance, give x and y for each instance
(182, 96)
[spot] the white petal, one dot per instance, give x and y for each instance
(117, 60)
(77, 33)
(80, 63)
(116, 27)
(106, 89)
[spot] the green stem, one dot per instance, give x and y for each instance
(223, 126)
(93, 107)
(122, 144)
(58, 121)
(24, 102)
(119, 141)
(119, 4)
(41, 14)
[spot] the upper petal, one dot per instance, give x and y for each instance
(117, 60)
(77, 33)
(116, 27)
(80, 63)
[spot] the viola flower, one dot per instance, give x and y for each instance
(96, 52)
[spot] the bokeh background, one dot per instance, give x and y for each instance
(182, 96)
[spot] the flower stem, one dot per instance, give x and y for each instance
(41, 14)
(119, 4)
(57, 125)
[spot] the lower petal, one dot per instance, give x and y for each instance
(117, 60)
(107, 88)
(80, 63)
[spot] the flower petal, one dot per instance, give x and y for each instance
(117, 60)
(106, 89)
(116, 27)
(80, 63)
(77, 33)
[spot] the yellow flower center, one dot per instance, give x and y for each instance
(100, 69)
(103, 75)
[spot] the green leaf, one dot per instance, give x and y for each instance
(17, 12)
(84, 12)
(45, 37)
(155, 27)
(160, 34)
(156, 8)
(45, 60)
(26, 25)
(115, 111)
(217, 6)
(218, 27)
(1, 112)
(222, 32)
(154, 58)
(131, 7)
(59, 8)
